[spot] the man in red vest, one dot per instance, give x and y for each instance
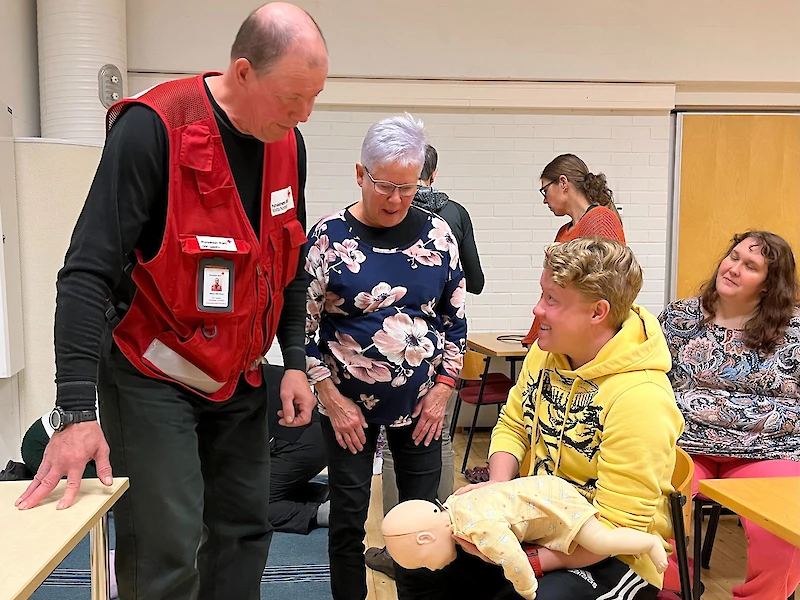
(201, 181)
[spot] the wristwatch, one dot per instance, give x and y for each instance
(60, 418)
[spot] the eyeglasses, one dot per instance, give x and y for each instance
(387, 188)
(543, 190)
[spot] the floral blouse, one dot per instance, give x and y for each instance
(736, 402)
(388, 321)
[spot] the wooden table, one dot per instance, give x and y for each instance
(488, 344)
(36, 540)
(771, 502)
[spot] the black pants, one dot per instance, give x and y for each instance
(194, 523)
(293, 500)
(417, 468)
(471, 577)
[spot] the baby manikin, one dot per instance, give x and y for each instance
(496, 518)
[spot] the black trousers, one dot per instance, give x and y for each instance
(193, 524)
(417, 468)
(293, 499)
(471, 577)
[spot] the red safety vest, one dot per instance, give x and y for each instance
(207, 305)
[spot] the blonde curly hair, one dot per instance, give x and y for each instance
(600, 269)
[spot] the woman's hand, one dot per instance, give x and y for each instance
(430, 411)
(346, 417)
(472, 486)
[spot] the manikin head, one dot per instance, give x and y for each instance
(419, 534)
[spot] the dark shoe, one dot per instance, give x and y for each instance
(378, 559)
(16, 471)
(314, 491)
(477, 474)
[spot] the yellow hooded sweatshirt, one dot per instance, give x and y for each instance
(608, 427)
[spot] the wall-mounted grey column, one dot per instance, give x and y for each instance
(77, 39)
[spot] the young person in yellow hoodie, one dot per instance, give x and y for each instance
(593, 406)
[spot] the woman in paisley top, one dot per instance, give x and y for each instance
(736, 375)
(386, 334)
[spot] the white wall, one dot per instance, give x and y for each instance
(490, 163)
(53, 178)
(11, 359)
(10, 428)
(19, 85)
(571, 40)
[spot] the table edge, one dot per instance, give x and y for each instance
(706, 488)
(33, 584)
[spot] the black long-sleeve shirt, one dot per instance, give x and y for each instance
(126, 208)
(458, 218)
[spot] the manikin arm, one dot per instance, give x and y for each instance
(495, 540)
(599, 539)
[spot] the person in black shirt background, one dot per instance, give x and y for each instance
(297, 454)
(437, 201)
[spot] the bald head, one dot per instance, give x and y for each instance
(275, 29)
(411, 517)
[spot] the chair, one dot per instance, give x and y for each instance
(701, 504)
(478, 387)
(681, 513)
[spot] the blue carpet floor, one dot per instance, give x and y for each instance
(297, 569)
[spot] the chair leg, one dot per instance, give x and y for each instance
(475, 416)
(676, 501)
(711, 533)
(456, 410)
(469, 441)
(698, 538)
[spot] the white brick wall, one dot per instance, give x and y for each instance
(490, 163)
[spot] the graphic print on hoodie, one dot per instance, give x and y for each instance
(608, 427)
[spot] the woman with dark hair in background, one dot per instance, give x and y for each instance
(570, 189)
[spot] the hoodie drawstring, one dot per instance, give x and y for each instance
(570, 398)
(538, 402)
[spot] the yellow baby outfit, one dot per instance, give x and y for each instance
(542, 509)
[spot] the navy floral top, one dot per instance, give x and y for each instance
(383, 323)
(736, 402)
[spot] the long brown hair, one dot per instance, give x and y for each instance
(595, 186)
(782, 291)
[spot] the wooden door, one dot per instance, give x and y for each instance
(737, 172)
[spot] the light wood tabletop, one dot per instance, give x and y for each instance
(771, 502)
(488, 344)
(36, 540)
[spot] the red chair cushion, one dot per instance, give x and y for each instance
(490, 379)
(492, 393)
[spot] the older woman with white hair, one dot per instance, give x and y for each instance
(386, 334)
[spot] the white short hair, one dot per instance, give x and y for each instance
(395, 140)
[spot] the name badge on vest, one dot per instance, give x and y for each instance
(220, 244)
(281, 201)
(215, 285)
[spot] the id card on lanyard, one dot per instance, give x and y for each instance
(215, 285)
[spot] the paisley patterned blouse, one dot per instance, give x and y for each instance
(383, 323)
(736, 402)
